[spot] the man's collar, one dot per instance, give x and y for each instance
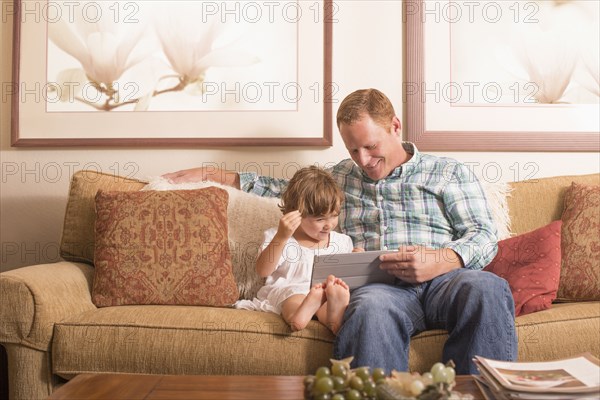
(408, 166)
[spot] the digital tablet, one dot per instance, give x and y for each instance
(356, 269)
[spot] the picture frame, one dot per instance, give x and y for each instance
(280, 94)
(436, 121)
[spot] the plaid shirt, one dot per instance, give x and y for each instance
(428, 201)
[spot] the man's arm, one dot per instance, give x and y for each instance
(250, 182)
(202, 174)
(468, 211)
(476, 242)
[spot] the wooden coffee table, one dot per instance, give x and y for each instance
(199, 387)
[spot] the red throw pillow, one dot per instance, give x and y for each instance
(531, 264)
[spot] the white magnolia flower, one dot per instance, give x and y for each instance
(592, 80)
(549, 63)
(548, 53)
(590, 57)
(192, 45)
(104, 55)
(105, 49)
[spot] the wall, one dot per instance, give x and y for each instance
(367, 53)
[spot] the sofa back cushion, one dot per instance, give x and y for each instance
(77, 242)
(537, 202)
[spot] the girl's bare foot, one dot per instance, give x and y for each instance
(338, 297)
(309, 306)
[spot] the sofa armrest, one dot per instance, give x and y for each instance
(33, 299)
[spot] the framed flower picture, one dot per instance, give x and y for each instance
(172, 73)
(503, 75)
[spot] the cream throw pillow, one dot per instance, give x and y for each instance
(496, 195)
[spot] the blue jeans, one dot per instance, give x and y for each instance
(475, 307)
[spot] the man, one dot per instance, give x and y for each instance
(433, 211)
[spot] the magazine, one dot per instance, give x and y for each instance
(574, 378)
(489, 393)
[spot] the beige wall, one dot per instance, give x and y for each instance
(367, 53)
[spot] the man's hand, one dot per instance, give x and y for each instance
(418, 264)
(202, 174)
(288, 225)
(187, 175)
(358, 250)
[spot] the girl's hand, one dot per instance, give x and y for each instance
(288, 224)
(358, 250)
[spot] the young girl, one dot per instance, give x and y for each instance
(310, 204)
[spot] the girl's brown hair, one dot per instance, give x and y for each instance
(312, 191)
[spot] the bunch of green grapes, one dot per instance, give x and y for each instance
(339, 382)
(435, 384)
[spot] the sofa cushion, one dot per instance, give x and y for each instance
(542, 336)
(249, 216)
(531, 264)
(559, 332)
(77, 242)
(187, 340)
(163, 248)
(580, 274)
(205, 340)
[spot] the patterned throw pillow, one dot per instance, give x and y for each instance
(580, 274)
(163, 248)
(531, 264)
(249, 217)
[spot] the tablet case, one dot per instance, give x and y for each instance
(356, 269)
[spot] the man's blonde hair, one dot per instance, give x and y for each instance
(312, 191)
(363, 102)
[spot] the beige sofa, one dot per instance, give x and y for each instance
(52, 330)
